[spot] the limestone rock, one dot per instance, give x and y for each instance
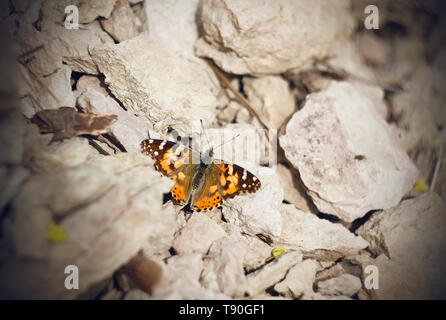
(299, 280)
(223, 268)
(293, 189)
(255, 250)
(239, 35)
(129, 129)
(90, 10)
(108, 208)
(411, 244)
(270, 96)
(346, 285)
(346, 155)
(198, 234)
(316, 237)
(271, 273)
(121, 25)
(258, 213)
(143, 83)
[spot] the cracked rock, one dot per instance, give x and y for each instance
(346, 154)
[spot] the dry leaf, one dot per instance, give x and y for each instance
(66, 122)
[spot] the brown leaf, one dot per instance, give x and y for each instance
(66, 122)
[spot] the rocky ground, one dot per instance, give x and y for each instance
(353, 208)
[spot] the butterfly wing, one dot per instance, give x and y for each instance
(223, 181)
(173, 160)
(235, 180)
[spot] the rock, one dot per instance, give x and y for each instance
(54, 10)
(271, 98)
(373, 49)
(129, 129)
(10, 181)
(271, 273)
(144, 83)
(298, 282)
(411, 246)
(238, 36)
(346, 285)
(42, 156)
(255, 250)
(223, 268)
(416, 106)
(60, 45)
(12, 133)
(54, 91)
(293, 189)
(229, 113)
(350, 166)
(89, 11)
(90, 82)
(331, 272)
(197, 235)
(121, 24)
(108, 207)
(74, 45)
(315, 237)
(258, 213)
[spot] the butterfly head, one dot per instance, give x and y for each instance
(207, 157)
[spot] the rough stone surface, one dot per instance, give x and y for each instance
(349, 165)
(144, 83)
(255, 250)
(223, 268)
(293, 189)
(122, 24)
(299, 280)
(316, 237)
(411, 244)
(345, 285)
(108, 208)
(271, 273)
(271, 98)
(258, 213)
(90, 10)
(198, 234)
(129, 129)
(239, 36)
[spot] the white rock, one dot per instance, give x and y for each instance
(316, 237)
(129, 129)
(12, 133)
(258, 213)
(90, 10)
(271, 98)
(293, 189)
(271, 273)
(121, 25)
(55, 91)
(11, 180)
(223, 268)
(299, 280)
(325, 141)
(270, 37)
(198, 234)
(255, 250)
(74, 45)
(412, 235)
(90, 82)
(115, 207)
(143, 83)
(345, 285)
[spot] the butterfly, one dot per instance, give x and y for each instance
(206, 183)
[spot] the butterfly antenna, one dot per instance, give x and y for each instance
(229, 140)
(204, 132)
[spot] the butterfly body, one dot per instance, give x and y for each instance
(204, 183)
